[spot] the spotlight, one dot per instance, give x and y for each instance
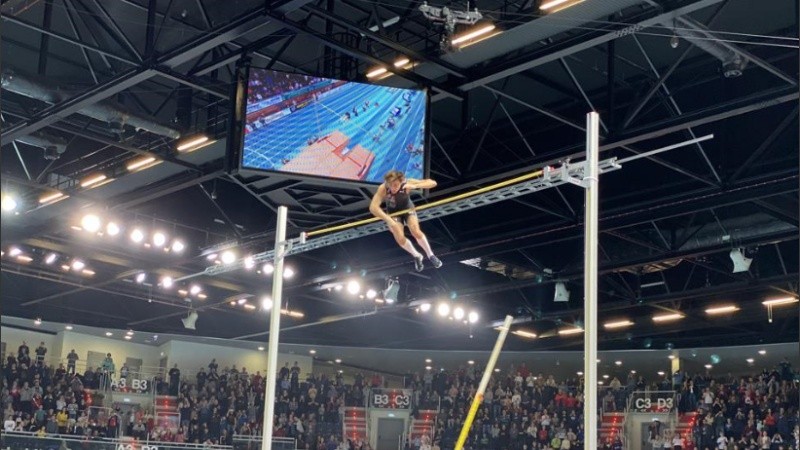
(195, 289)
(177, 246)
(166, 282)
(137, 235)
(266, 303)
(228, 257)
(392, 291)
(371, 294)
(458, 313)
(241, 301)
(159, 239)
(338, 361)
(112, 229)
(37, 322)
(261, 348)
(68, 327)
(51, 258)
(473, 317)
(14, 251)
(249, 262)
(353, 287)
(78, 264)
(708, 366)
(190, 321)
(91, 223)
(338, 287)
(268, 269)
(443, 309)
(288, 273)
(109, 334)
(674, 42)
(425, 307)
(9, 203)
(561, 293)
(140, 277)
(741, 263)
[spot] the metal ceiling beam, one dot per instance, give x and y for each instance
(530, 63)
(180, 55)
(386, 41)
(364, 56)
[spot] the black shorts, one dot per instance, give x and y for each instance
(402, 218)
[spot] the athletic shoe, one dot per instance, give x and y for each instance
(435, 261)
(418, 263)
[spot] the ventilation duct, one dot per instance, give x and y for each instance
(733, 63)
(115, 115)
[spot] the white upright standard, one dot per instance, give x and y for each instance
(591, 177)
(274, 329)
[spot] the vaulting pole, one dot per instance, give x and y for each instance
(591, 181)
(487, 375)
(274, 329)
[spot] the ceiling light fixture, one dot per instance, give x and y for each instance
(371, 294)
(88, 272)
(266, 303)
(312, 351)
(9, 203)
(94, 181)
(617, 324)
(288, 273)
(68, 327)
(51, 258)
(53, 196)
(568, 331)
(178, 246)
(228, 257)
(668, 317)
(159, 239)
(443, 309)
(762, 352)
(722, 309)
(194, 143)
(425, 307)
(140, 277)
(558, 5)
(112, 229)
(24, 258)
(14, 251)
(145, 162)
(473, 317)
(78, 265)
(195, 289)
(37, 322)
(166, 282)
(137, 235)
(353, 287)
(780, 301)
(458, 313)
(376, 72)
(249, 262)
(525, 334)
(268, 269)
(91, 223)
(480, 31)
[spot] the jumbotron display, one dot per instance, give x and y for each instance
(331, 128)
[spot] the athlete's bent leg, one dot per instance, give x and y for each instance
(422, 240)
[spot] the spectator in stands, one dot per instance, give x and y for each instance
(24, 354)
(174, 380)
(41, 351)
(72, 358)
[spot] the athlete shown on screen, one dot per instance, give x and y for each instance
(396, 193)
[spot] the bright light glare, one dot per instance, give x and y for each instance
(371, 293)
(137, 235)
(159, 239)
(473, 34)
(443, 309)
(249, 262)
(288, 272)
(353, 287)
(425, 307)
(112, 229)
(268, 269)
(166, 282)
(195, 289)
(51, 258)
(91, 223)
(78, 264)
(14, 251)
(458, 313)
(473, 317)
(178, 246)
(228, 257)
(266, 303)
(9, 203)
(140, 277)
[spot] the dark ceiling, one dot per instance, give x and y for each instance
(505, 106)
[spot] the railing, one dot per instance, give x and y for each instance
(17, 440)
(254, 443)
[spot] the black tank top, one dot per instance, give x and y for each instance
(396, 201)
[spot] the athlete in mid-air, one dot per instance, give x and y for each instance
(396, 193)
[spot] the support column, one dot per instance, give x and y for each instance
(590, 281)
(274, 329)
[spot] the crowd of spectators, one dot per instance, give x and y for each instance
(272, 84)
(520, 410)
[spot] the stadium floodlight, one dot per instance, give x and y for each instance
(473, 317)
(558, 5)
(9, 203)
(137, 235)
(741, 263)
(193, 143)
(443, 309)
(353, 287)
(425, 307)
(190, 320)
(458, 313)
(166, 282)
(159, 239)
(112, 229)
(561, 292)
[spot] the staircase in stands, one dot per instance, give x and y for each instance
(423, 425)
(354, 425)
(611, 426)
(685, 424)
(166, 410)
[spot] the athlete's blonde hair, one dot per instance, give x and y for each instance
(394, 175)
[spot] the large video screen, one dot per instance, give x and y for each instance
(331, 128)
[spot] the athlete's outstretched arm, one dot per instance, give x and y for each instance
(420, 184)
